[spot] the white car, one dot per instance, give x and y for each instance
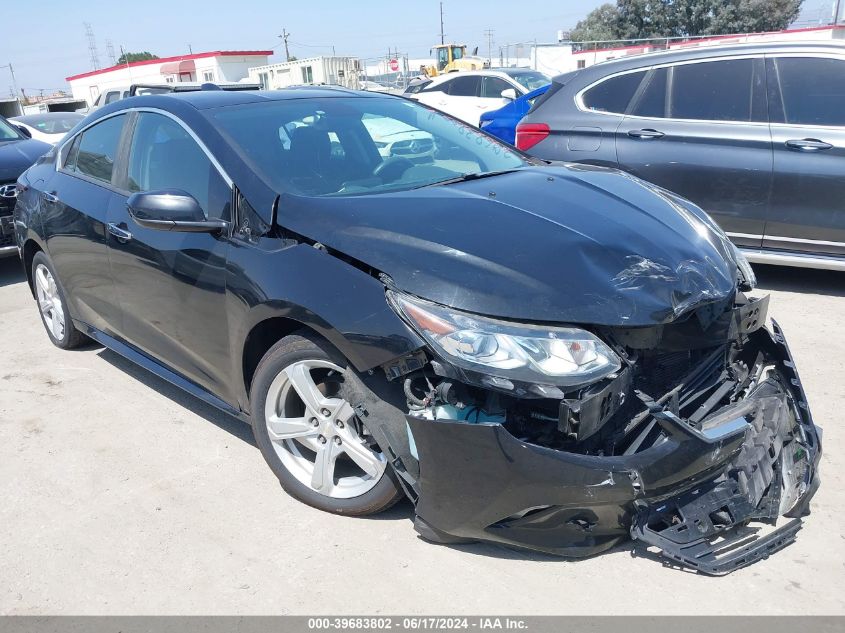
(49, 127)
(467, 94)
(396, 139)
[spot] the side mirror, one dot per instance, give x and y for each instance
(171, 210)
(23, 131)
(509, 94)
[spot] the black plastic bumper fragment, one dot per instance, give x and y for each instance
(705, 530)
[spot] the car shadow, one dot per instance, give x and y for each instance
(219, 418)
(803, 280)
(11, 271)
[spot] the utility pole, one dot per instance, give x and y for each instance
(489, 34)
(190, 50)
(14, 82)
(285, 35)
(836, 12)
(442, 37)
(92, 46)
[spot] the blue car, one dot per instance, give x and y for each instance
(502, 123)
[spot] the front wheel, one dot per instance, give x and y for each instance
(310, 435)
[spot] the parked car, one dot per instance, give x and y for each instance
(17, 152)
(754, 134)
(395, 138)
(415, 85)
(549, 356)
(468, 94)
(502, 123)
(49, 127)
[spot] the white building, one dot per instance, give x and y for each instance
(554, 59)
(217, 66)
(339, 71)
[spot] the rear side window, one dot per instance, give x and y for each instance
(713, 91)
(491, 87)
(652, 100)
(614, 94)
(464, 86)
(812, 91)
(98, 149)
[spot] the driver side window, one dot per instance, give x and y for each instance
(164, 156)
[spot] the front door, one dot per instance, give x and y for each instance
(172, 285)
(701, 130)
(807, 97)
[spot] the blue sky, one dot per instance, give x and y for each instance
(48, 46)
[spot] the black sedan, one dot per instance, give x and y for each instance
(17, 152)
(548, 356)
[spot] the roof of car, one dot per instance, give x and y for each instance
(204, 99)
(47, 116)
(709, 51)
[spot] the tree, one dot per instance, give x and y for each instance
(600, 24)
(128, 58)
(654, 19)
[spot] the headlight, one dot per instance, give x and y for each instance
(528, 353)
(745, 269)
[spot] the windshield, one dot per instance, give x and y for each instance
(530, 79)
(7, 132)
(354, 145)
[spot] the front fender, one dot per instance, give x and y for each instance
(345, 305)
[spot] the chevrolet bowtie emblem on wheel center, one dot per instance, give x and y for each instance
(9, 191)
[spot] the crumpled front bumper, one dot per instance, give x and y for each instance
(479, 482)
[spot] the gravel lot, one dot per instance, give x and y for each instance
(122, 495)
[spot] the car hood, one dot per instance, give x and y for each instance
(562, 244)
(17, 156)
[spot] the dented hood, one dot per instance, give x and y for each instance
(563, 244)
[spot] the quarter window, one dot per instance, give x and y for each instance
(97, 149)
(614, 94)
(713, 91)
(812, 90)
(164, 156)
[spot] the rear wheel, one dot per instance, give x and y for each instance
(52, 305)
(310, 435)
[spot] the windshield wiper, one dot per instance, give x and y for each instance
(468, 177)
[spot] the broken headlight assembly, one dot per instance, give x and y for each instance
(558, 356)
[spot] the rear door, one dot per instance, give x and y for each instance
(74, 203)
(807, 97)
(172, 284)
(700, 129)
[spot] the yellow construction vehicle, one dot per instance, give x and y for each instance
(453, 57)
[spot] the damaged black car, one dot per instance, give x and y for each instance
(548, 356)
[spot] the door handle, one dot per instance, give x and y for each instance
(122, 235)
(646, 134)
(51, 197)
(808, 145)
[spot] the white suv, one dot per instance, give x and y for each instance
(467, 94)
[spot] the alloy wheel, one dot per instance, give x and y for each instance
(316, 434)
(49, 302)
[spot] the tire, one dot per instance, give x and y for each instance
(53, 306)
(297, 432)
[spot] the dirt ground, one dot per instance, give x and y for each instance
(122, 495)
